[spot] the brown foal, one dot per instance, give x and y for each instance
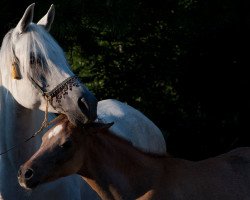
(117, 170)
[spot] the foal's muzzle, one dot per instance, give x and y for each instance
(26, 178)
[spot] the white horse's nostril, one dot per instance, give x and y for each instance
(83, 105)
(88, 106)
(28, 174)
(83, 102)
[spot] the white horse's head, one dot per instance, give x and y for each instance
(34, 68)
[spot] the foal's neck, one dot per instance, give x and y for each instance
(115, 169)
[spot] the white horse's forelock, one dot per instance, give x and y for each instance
(38, 42)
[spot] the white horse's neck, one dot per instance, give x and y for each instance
(17, 124)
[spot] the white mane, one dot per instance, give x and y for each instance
(5, 57)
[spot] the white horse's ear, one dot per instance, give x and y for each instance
(48, 19)
(26, 19)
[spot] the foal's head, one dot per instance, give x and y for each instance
(60, 154)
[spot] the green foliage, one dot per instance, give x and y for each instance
(131, 57)
(164, 58)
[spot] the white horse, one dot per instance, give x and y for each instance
(34, 73)
(32, 65)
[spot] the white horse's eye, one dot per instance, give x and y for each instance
(38, 61)
(35, 60)
(32, 59)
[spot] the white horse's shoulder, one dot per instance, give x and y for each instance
(132, 125)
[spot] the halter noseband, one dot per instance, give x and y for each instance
(59, 91)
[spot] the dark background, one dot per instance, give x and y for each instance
(184, 63)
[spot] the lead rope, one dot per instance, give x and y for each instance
(45, 124)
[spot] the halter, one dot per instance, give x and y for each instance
(59, 91)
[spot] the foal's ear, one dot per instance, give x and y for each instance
(26, 19)
(97, 126)
(48, 19)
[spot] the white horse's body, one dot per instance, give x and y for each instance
(132, 125)
(20, 116)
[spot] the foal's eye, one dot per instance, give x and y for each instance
(66, 144)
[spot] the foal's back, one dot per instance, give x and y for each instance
(225, 177)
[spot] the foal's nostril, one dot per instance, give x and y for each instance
(28, 174)
(19, 173)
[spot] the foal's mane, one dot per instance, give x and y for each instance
(128, 143)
